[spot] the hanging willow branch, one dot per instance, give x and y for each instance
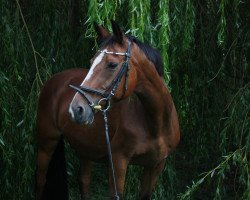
(163, 20)
(101, 12)
(222, 23)
(140, 18)
(31, 42)
(238, 157)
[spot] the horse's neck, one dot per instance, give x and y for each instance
(154, 96)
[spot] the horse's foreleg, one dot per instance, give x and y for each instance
(45, 151)
(84, 178)
(120, 168)
(149, 179)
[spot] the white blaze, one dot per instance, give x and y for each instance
(97, 60)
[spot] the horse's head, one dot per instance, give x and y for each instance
(112, 76)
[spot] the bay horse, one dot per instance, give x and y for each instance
(143, 121)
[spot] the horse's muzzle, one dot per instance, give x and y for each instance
(81, 113)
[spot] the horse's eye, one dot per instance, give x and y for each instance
(112, 65)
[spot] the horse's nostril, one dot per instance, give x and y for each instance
(79, 110)
(81, 114)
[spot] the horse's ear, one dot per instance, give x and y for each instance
(102, 33)
(118, 33)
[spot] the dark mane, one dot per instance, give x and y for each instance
(151, 53)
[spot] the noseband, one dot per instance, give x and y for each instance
(106, 96)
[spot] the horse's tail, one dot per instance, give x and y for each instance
(56, 184)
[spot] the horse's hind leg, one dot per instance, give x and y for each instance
(84, 178)
(149, 179)
(45, 152)
(47, 144)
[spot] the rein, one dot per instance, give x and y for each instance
(106, 97)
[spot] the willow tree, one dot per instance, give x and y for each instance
(204, 47)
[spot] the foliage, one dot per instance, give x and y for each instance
(204, 47)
